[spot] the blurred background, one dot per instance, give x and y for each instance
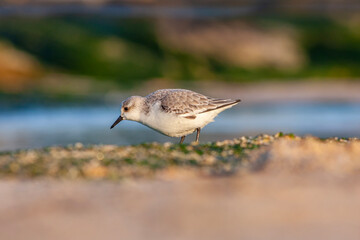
(66, 65)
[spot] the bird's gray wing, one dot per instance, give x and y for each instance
(188, 104)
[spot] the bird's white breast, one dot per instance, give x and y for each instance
(175, 125)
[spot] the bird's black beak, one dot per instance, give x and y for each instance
(116, 122)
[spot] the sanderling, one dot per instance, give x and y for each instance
(173, 112)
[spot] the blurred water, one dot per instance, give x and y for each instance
(39, 127)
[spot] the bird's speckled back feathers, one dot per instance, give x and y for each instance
(184, 102)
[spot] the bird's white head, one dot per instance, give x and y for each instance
(131, 109)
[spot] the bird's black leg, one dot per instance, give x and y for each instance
(182, 139)
(197, 134)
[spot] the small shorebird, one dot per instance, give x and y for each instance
(173, 112)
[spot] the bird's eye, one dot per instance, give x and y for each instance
(126, 108)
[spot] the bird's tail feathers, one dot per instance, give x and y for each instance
(222, 103)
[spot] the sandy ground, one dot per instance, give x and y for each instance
(261, 206)
(290, 188)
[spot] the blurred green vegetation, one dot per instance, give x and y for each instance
(128, 50)
(77, 46)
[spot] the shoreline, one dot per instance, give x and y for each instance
(284, 187)
(245, 154)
